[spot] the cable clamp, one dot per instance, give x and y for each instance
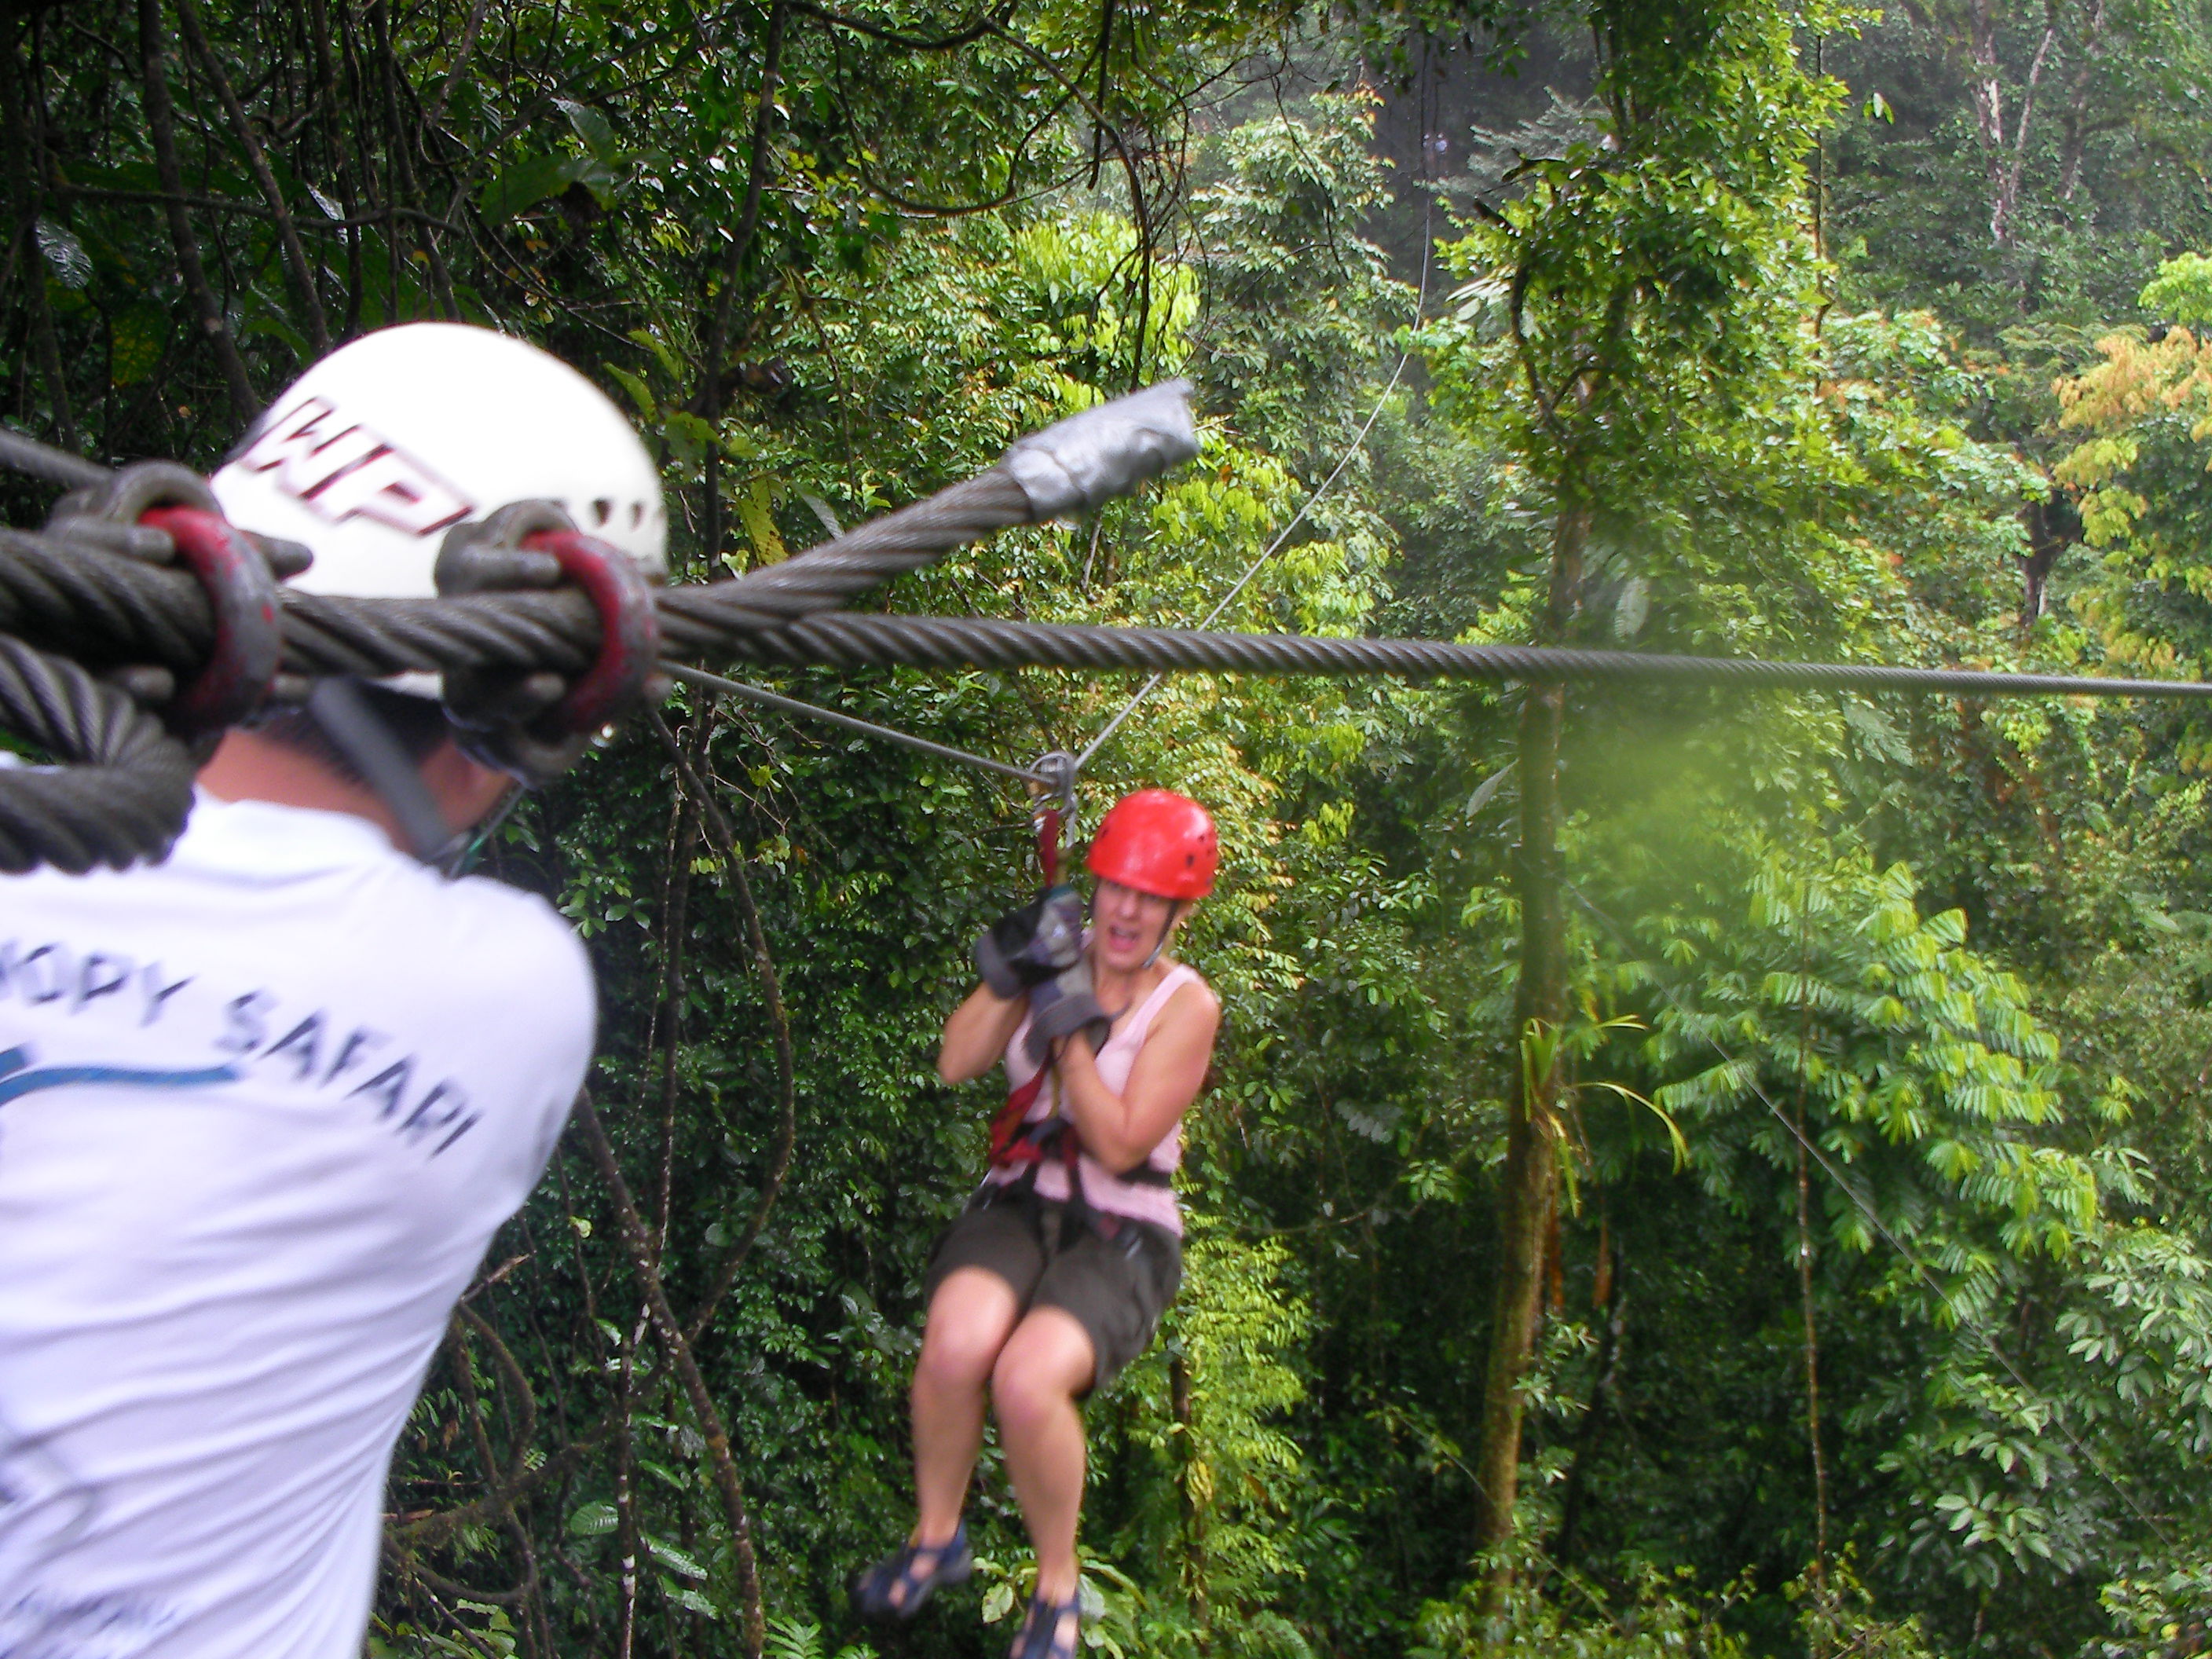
(535, 725)
(163, 513)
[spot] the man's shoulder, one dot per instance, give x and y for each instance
(478, 943)
(533, 937)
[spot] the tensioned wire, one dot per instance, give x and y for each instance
(768, 699)
(1359, 442)
(762, 695)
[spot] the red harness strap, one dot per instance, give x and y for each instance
(1009, 1146)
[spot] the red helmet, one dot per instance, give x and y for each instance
(1159, 842)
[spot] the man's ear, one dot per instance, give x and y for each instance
(467, 791)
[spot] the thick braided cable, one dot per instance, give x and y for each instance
(848, 640)
(107, 610)
(123, 794)
(62, 595)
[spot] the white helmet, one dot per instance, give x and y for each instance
(378, 450)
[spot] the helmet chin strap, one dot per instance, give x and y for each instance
(1174, 909)
(353, 728)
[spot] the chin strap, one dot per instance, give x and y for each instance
(1167, 929)
(353, 728)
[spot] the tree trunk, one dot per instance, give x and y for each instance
(2052, 527)
(1530, 1184)
(1612, 1316)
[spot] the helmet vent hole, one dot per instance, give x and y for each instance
(636, 515)
(602, 510)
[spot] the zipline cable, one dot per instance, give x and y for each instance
(1873, 1219)
(98, 631)
(849, 639)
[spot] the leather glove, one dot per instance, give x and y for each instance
(1062, 1006)
(1029, 946)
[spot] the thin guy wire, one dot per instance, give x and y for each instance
(1873, 1219)
(852, 723)
(1420, 317)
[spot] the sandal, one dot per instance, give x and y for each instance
(898, 1585)
(1040, 1635)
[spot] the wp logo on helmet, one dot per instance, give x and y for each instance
(342, 470)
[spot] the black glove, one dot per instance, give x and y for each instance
(1028, 947)
(1063, 1006)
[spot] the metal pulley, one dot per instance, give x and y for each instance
(1052, 810)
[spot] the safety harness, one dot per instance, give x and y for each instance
(1017, 1144)
(1026, 1146)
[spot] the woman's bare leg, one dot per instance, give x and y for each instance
(1040, 1369)
(971, 1318)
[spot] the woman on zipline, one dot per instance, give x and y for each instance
(1054, 1276)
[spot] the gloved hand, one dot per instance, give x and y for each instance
(1064, 1004)
(1028, 947)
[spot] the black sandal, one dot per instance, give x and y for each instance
(898, 1585)
(1039, 1637)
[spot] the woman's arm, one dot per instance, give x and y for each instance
(1119, 1130)
(977, 1034)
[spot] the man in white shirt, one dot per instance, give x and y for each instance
(262, 1106)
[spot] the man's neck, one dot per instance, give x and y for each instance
(248, 767)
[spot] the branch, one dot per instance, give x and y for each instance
(160, 128)
(288, 233)
(988, 24)
(517, 1383)
(718, 830)
(675, 925)
(431, 1530)
(709, 398)
(741, 241)
(469, 32)
(27, 255)
(1138, 208)
(639, 1242)
(231, 204)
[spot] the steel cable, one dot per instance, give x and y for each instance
(124, 790)
(89, 598)
(852, 639)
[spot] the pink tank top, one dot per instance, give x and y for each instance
(1102, 1189)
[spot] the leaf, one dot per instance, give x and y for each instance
(674, 1559)
(594, 1521)
(592, 127)
(689, 1600)
(754, 505)
(331, 210)
(658, 348)
(1488, 788)
(525, 185)
(688, 435)
(639, 393)
(1629, 610)
(998, 1602)
(820, 510)
(72, 265)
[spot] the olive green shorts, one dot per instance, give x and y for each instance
(1116, 1288)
